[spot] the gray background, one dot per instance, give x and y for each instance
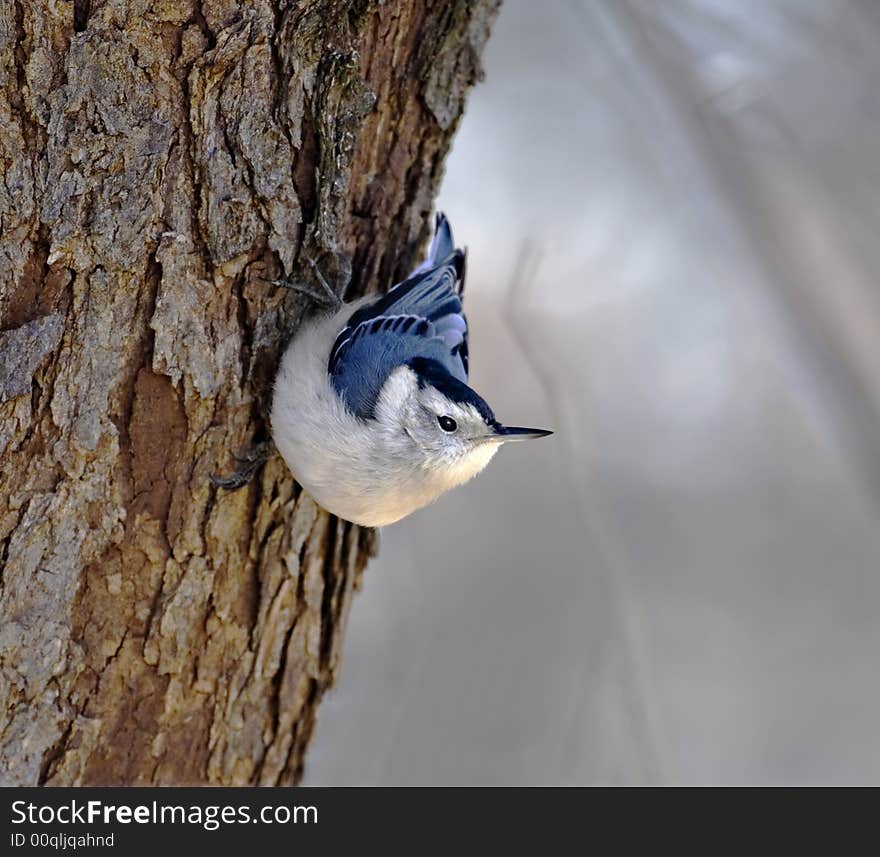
(672, 216)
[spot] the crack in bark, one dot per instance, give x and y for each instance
(81, 11)
(53, 754)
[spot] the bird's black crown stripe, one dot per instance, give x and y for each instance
(431, 372)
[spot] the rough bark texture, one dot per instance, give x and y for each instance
(162, 163)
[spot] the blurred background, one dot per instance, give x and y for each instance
(672, 215)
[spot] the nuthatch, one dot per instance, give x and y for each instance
(371, 408)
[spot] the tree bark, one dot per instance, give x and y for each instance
(162, 163)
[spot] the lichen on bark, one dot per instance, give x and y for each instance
(162, 163)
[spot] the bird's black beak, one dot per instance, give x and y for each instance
(508, 433)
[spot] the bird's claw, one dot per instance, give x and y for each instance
(249, 463)
(325, 296)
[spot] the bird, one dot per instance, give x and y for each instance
(371, 408)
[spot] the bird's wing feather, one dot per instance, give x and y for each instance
(442, 245)
(420, 317)
(375, 348)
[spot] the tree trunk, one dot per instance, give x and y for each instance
(163, 163)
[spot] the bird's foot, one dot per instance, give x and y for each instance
(324, 296)
(250, 463)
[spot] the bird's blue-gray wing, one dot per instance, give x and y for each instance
(375, 348)
(420, 317)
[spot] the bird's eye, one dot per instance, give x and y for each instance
(447, 423)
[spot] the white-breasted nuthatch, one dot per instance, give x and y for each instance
(371, 408)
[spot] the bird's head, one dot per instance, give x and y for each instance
(441, 422)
